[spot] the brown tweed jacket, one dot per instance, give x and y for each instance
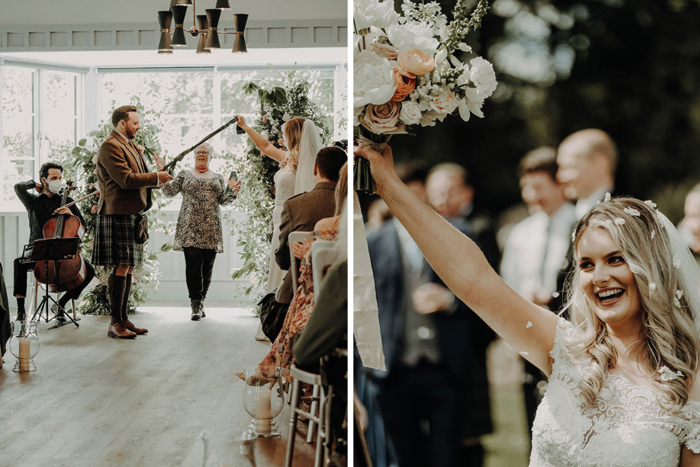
(123, 177)
(300, 214)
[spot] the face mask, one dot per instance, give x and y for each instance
(55, 186)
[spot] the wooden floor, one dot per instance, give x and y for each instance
(96, 401)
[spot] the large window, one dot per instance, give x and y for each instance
(43, 113)
(41, 117)
(193, 103)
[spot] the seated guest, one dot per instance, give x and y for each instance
(40, 208)
(198, 232)
(302, 303)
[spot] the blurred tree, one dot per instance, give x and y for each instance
(629, 67)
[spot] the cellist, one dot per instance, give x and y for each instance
(41, 208)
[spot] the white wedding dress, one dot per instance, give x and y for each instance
(284, 188)
(627, 427)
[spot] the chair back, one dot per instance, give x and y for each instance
(296, 237)
(322, 255)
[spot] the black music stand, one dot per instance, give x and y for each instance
(53, 249)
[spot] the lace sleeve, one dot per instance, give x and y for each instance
(559, 353)
(690, 437)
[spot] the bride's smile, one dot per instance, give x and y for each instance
(607, 279)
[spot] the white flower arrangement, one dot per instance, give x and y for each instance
(409, 61)
(406, 73)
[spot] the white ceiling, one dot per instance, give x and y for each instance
(73, 12)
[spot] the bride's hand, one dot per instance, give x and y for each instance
(241, 121)
(381, 166)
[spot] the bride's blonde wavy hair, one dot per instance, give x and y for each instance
(670, 332)
(291, 130)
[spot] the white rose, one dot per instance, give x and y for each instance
(483, 77)
(374, 13)
(410, 113)
(373, 79)
(356, 112)
(413, 36)
(286, 117)
(445, 103)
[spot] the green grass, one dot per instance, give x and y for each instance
(509, 444)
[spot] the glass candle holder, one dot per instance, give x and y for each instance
(24, 345)
(263, 399)
(228, 451)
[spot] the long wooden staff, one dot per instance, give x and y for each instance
(96, 192)
(182, 155)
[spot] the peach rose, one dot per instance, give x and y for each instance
(445, 102)
(381, 118)
(414, 62)
(404, 86)
(384, 50)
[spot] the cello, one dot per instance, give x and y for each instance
(66, 274)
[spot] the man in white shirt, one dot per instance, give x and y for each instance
(587, 161)
(537, 247)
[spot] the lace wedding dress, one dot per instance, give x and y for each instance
(284, 188)
(626, 428)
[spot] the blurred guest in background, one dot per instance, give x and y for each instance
(537, 247)
(690, 225)
(587, 161)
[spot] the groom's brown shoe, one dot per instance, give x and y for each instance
(130, 326)
(118, 331)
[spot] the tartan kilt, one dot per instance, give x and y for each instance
(114, 241)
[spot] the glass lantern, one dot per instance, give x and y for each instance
(263, 399)
(24, 345)
(229, 451)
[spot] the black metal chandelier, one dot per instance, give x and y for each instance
(206, 27)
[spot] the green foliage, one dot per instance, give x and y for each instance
(256, 172)
(79, 164)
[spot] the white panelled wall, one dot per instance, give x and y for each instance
(14, 232)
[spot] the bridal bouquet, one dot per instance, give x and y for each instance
(406, 73)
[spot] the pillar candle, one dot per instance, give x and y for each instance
(24, 354)
(263, 412)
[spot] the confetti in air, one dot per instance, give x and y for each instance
(669, 375)
(679, 294)
(555, 295)
(650, 203)
(676, 302)
(632, 212)
(619, 221)
(608, 196)
(652, 286)
(528, 325)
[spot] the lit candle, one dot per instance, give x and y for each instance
(263, 412)
(24, 354)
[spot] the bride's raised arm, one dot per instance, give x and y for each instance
(260, 141)
(464, 269)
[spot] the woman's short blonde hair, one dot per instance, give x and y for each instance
(669, 336)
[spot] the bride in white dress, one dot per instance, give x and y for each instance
(296, 175)
(623, 370)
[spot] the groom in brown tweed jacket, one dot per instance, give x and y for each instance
(125, 193)
(301, 212)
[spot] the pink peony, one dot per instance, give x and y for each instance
(414, 62)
